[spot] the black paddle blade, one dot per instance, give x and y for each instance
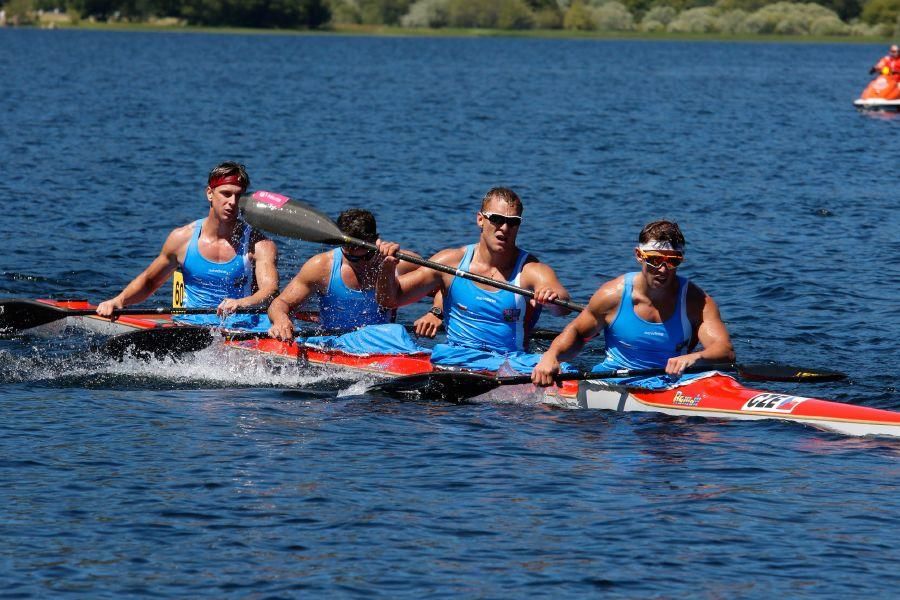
(16, 315)
(453, 386)
(157, 343)
(283, 216)
(773, 372)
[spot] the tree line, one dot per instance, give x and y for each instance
(733, 17)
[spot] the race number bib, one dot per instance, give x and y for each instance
(177, 290)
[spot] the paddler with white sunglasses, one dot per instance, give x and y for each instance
(486, 327)
(650, 319)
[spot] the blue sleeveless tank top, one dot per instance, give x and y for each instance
(492, 320)
(633, 343)
(207, 283)
(344, 308)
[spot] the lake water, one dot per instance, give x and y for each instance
(215, 477)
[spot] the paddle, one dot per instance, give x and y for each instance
(291, 218)
(460, 385)
(160, 342)
(16, 315)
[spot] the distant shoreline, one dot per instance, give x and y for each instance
(390, 31)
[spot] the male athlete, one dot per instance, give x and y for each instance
(651, 319)
(486, 327)
(343, 279)
(225, 263)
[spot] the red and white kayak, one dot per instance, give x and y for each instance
(715, 396)
(719, 396)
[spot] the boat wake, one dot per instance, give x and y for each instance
(213, 367)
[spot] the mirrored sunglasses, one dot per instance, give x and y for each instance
(498, 220)
(656, 261)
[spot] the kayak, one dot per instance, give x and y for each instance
(882, 93)
(719, 396)
(260, 344)
(713, 395)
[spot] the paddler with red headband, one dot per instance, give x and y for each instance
(650, 319)
(225, 263)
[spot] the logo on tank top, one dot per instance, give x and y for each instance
(511, 315)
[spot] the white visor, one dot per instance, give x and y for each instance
(658, 246)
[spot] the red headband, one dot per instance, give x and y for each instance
(227, 180)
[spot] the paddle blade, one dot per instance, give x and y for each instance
(280, 215)
(157, 343)
(453, 386)
(16, 315)
(773, 372)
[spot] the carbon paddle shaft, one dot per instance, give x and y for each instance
(285, 216)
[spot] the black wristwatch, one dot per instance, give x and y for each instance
(436, 311)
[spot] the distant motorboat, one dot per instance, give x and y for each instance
(882, 93)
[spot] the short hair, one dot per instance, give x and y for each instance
(230, 168)
(504, 195)
(358, 223)
(662, 231)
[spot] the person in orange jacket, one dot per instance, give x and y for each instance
(891, 62)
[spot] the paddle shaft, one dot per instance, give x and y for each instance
(582, 375)
(282, 215)
(422, 262)
(160, 310)
(759, 372)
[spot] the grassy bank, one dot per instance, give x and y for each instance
(389, 31)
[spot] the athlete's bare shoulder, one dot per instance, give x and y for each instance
(608, 296)
(319, 264)
(179, 238)
(450, 256)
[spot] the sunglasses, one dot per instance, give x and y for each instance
(499, 220)
(357, 257)
(656, 261)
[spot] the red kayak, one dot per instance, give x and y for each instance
(714, 396)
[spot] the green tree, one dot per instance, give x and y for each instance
(881, 11)
(19, 12)
(383, 12)
(514, 14)
(579, 17)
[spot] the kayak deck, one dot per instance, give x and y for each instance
(721, 397)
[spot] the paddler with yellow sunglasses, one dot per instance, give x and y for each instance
(650, 319)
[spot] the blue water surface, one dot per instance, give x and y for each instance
(227, 476)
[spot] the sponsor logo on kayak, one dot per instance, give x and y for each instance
(682, 400)
(769, 402)
(270, 198)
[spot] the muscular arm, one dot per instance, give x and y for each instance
(586, 325)
(394, 291)
(265, 256)
(311, 279)
(428, 324)
(150, 280)
(542, 279)
(711, 333)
